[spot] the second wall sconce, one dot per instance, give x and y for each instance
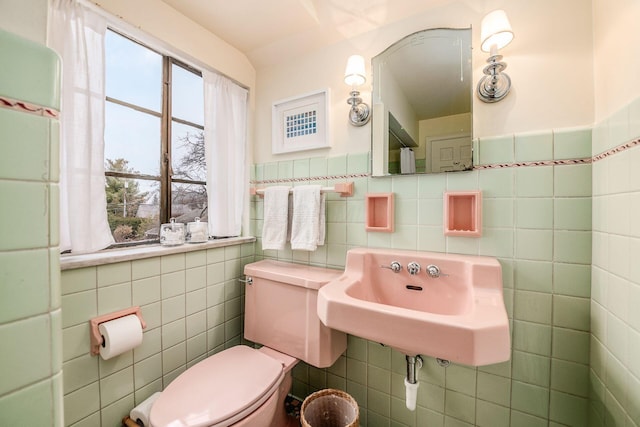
(354, 76)
(495, 34)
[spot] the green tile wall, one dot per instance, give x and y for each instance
(537, 222)
(193, 306)
(31, 72)
(615, 318)
(30, 314)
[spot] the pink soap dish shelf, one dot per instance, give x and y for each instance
(379, 212)
(463, 213)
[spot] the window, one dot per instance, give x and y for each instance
(154, 140)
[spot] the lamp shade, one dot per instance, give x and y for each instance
(354, 73)
(495, 30)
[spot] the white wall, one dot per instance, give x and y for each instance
(617, 63)
(550, 63)
(26, 18)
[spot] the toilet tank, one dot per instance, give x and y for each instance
(281, 311)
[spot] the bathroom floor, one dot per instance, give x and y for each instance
(293, 406)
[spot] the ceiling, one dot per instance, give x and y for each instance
(265, 30)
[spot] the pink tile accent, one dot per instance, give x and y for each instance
(28, 108)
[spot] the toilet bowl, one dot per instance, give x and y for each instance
(225, 390)
(245, 386)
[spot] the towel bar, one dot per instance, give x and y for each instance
(345, 189)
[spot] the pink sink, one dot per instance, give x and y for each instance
(454, 311)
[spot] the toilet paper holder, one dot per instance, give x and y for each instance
(94, 333)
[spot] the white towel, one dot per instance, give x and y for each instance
(323, 218)
(407, 160)
(308, 222)
(276, 213)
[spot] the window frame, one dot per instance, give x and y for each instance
(165, 178)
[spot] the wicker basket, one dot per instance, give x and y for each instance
(329, 408)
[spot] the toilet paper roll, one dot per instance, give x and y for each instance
(141, 412)
(120, 335)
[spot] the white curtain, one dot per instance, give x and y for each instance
(225, 134)
(77, 34)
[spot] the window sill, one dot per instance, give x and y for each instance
(110, 256)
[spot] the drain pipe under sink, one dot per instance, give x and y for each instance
(414, 363)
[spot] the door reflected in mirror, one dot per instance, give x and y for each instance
(422, 104)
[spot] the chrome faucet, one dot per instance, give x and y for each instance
(394, 266)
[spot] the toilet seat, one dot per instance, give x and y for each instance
(219, 391)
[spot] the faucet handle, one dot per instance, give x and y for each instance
(413, 268)
(394, 266)
(434, 271)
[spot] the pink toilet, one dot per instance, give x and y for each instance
(243, 386)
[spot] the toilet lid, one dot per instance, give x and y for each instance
(220, 390)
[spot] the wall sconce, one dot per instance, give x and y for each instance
(354, 76)
(495, 34)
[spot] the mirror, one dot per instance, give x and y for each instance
(422, 99)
